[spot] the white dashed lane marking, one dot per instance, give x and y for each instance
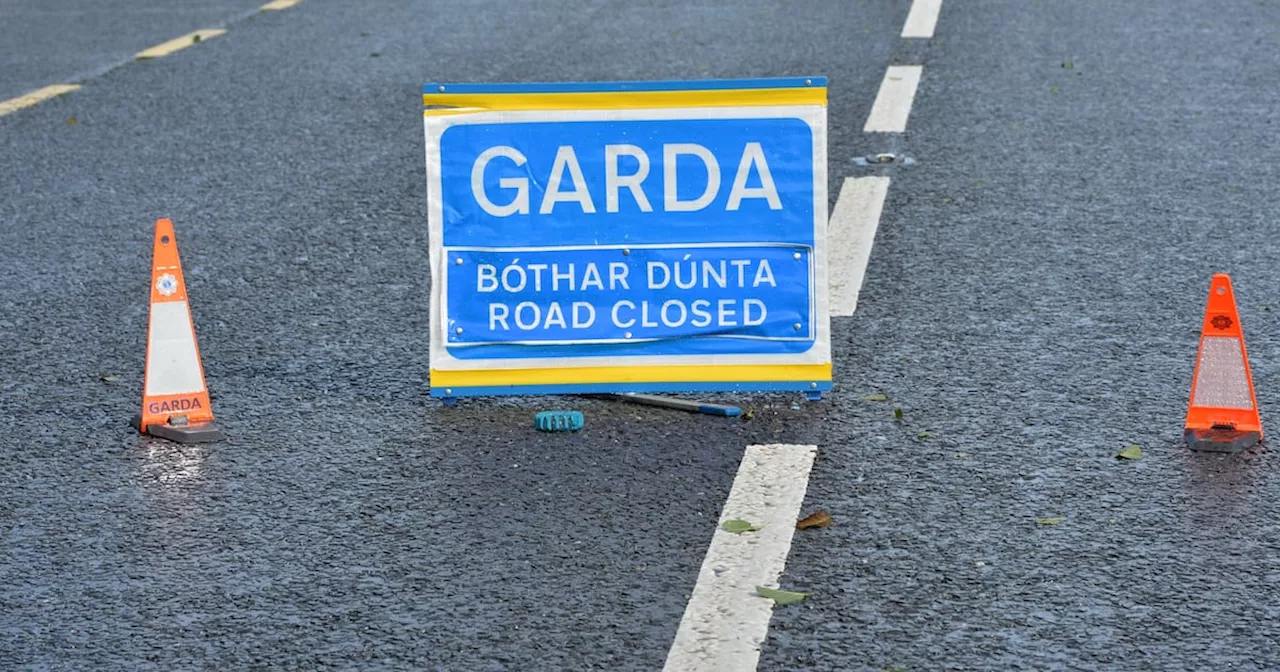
(726, 621)
(852, 230)
(893, 104)
(922, 19)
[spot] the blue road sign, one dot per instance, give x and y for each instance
(631, 237)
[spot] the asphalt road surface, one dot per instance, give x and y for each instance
(1032, 304)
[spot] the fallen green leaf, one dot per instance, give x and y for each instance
(924, 435)
(1053, 90)
(1068, 65)
(109, 379)
(781, 597)
(1049, 521)
(1133, 452)
(897, 414)
(739, 526)
(874, 397)
(195, 38)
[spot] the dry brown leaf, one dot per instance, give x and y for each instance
(816, 519)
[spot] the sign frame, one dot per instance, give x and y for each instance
(742, 100)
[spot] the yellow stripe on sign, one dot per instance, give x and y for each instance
(15, 104)
(618, 100)
(769, 373)
(276, 5)
(179, 43)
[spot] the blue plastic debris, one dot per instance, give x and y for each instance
(559, 421)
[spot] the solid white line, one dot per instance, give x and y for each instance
(726, 621)
(922, 19)
(851, 232)
(893, 103)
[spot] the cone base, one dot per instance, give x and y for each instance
(1220, 440)
(202, 433)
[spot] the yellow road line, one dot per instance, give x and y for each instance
(179, 43)
(278, 4)
(15, 104)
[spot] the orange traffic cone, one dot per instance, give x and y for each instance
(1223, 415)
(175, 401)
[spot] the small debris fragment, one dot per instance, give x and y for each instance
(875, 397)
(924, 435)
(781, 597)
(963, 456)
(749, 414)
(1049, 521)
(195, 38)
(897, 414)
(72, 121)
(559, 421)
(109, 379)
(816, 519)
(374, 55)
(1133, 452)
(1053, 90)
(739, 526)
(1069, 65)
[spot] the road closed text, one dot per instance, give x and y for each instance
(583, 295)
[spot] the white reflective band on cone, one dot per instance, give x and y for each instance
(173, 365)
(1221, 381)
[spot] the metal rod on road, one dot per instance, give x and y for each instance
(680, 404)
